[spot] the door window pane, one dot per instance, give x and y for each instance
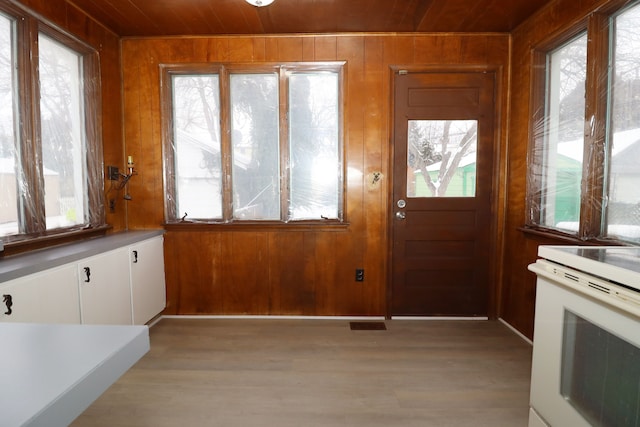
(564, 135)
(623, 208)
(441, 158)
(8, 164)
(314, 146)
(255, 142)
(63, 134)
(196, 135)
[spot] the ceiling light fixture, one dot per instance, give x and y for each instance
(260, 3)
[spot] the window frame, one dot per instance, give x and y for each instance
(224, 70)
(32, 232)
(593, 207)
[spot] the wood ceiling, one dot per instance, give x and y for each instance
(210, 17)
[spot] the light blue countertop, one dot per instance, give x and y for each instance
(44, 259)
(49, 374)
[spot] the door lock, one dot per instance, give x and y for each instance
(401, 203)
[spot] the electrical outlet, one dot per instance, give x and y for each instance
(359, 274)
(113, 173)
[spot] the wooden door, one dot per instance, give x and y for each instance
(443, 149)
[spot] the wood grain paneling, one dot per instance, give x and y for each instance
(518, 285)
(286, 270)
(311, 272)
(146, 18)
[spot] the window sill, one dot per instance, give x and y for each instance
(258, 226)
(31, 243)
(549, 236)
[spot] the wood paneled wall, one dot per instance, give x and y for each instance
(276, 271)
(521, 248)
(311, 272)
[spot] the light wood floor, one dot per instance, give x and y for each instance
(305, 373)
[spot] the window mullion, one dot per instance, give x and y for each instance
(168, 130)
(592, 204)
(225, 147)
(31, 179)
(285, 170)
(537, 132)
(93, 135)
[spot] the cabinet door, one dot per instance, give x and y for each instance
(147, 279)
(50, 296)
(105, 294)
(20, 302)
(59, 297)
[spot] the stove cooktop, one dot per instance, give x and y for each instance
(618, 264)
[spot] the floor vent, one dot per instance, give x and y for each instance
(368, 326)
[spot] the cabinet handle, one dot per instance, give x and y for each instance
(87, 271)
(135, 257)
(8, 301)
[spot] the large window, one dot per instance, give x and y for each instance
(50, 151)
(563, 147)
(623, 174)
(8, 137)
(583, 170)
(253, 143)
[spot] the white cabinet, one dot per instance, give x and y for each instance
(117, 279)
(59, 297)
(50, 296)
(20, 302)
(105, 295)
(148, 294)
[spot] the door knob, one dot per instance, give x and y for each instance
(401, 215)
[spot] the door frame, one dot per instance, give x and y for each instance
(498, 195)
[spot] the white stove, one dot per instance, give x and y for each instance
(586, 344)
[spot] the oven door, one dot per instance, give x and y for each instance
(586, 360)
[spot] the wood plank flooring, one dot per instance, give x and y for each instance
(307, 373)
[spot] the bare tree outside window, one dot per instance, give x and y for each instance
(63, 135)
(255, 142)
(314, 145)
(51, 149)
(197, 153)
(441, 158)
(280, 158)
(563, 130)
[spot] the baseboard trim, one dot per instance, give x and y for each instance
(515, 331)
(293, 317)
(438, 318)
(268, 317)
